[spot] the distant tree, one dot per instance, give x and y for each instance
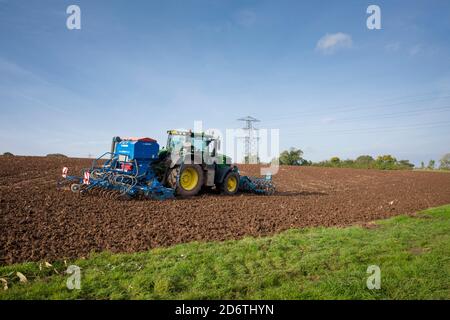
(56, 155)
(335, 160)
(422, 165)
(387, 158)
(445, 162)
(431, 164)
(406, 164)
(386, 162)
(364, 159)
(8, 154)
(291, 157)
(348, 163)
(383, 162)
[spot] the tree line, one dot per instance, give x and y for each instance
(294, 157)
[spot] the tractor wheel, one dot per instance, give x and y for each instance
(190, 180)
(75, 188)
(230, 185)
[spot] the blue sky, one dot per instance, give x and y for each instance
(138, 68)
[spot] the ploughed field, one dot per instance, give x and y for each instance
(40, 222)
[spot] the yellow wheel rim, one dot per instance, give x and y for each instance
(189, 179)
(232, 184)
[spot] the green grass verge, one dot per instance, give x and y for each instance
(318, 263)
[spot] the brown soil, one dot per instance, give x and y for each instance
(39, 221)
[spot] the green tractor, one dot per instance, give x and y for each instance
(190, 162)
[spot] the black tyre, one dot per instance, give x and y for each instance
(190, 180)
(75, 188)
(230, 185)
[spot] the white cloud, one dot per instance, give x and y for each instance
(245, 17)
(329, 43)
(328, 120)
(392, 47)
(415, 50)
(424, 50)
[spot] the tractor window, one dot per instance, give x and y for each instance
(211, 148)
(176, 143)
(199, 145)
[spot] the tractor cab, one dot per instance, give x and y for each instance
(199, 145)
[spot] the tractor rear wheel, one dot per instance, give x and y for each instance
(230, 185)
(189, 179)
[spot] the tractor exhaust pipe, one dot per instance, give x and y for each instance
(115, 141)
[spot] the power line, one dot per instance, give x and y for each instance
(391, 115)
(412, 112)
(349, 109)
(383, 129)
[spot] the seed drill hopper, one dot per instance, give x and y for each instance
(124, 172)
